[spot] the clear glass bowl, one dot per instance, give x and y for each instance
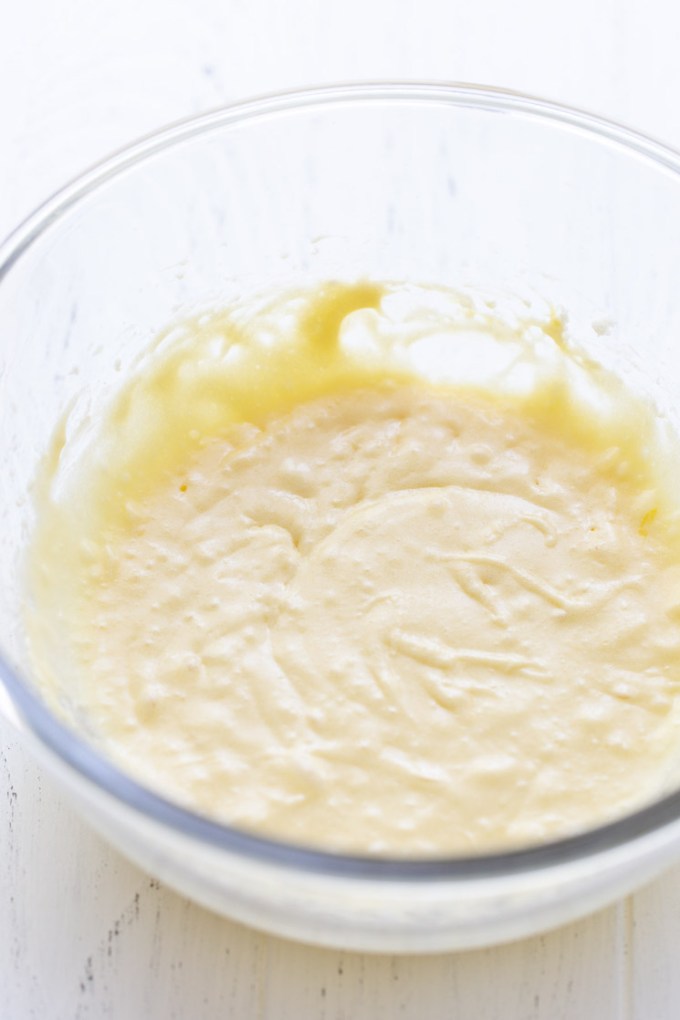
(447, 184)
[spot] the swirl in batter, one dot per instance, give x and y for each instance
(318, 577)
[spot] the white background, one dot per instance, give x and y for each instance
(82, 933)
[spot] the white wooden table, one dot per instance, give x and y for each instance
(83, 934)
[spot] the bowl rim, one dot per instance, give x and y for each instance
(76, 753)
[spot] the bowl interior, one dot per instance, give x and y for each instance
(448, 185)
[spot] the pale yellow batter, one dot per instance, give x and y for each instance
(323, 576)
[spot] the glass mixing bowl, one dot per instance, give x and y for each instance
(451, 184)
